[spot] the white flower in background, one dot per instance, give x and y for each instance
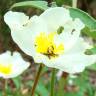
(12, 65)
(59, 74)
(53, 38)
(71, 79)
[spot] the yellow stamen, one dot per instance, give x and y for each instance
(45, 44)
(5, 69)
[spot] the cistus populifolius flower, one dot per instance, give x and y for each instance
(53, 38)
(12, 65)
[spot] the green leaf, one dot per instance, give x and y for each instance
(35, 4)
(91, 51)
(60, 29)
(92, 67)
(59, 2)
(91, 33)
(17, 82)
(42, 90)
(87, 20)
(61, 83)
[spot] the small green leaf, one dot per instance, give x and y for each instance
(59, 2)
(60, 29)
(42, 90)
(35, 4)
(91, 33)
(91, 51)
(92, 67)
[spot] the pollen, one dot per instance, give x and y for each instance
(44, 44)
(5, 69)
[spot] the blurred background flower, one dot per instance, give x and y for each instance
(12, 65)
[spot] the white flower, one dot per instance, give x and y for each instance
(59, 74)
(12, 65)
(53, 38)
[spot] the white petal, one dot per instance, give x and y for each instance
(78, 24)
(19, 66)
(79, 47)
(56, 17)
(25, 35)
(71, 63)
(70, 35)
(5, 57)
(76, 62)
(15, 19)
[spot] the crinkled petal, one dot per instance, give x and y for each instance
(56, 17)
(15, 19)
(78, 24)
(70, 35)
(71, 63)
(79, 47)
(25, 35)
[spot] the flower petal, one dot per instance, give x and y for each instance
(19, 65)
(71, 63)
(79, 47)
(56, 17)
(15, 19)
(25, 35)
(70, 35)
(78, 24)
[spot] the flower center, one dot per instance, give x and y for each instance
(5, 69)
(44, 44)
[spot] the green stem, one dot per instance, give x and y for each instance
(36, 79)
(5, 88)
(52, 82)
(74, 3)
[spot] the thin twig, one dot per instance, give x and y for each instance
(36, 79)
